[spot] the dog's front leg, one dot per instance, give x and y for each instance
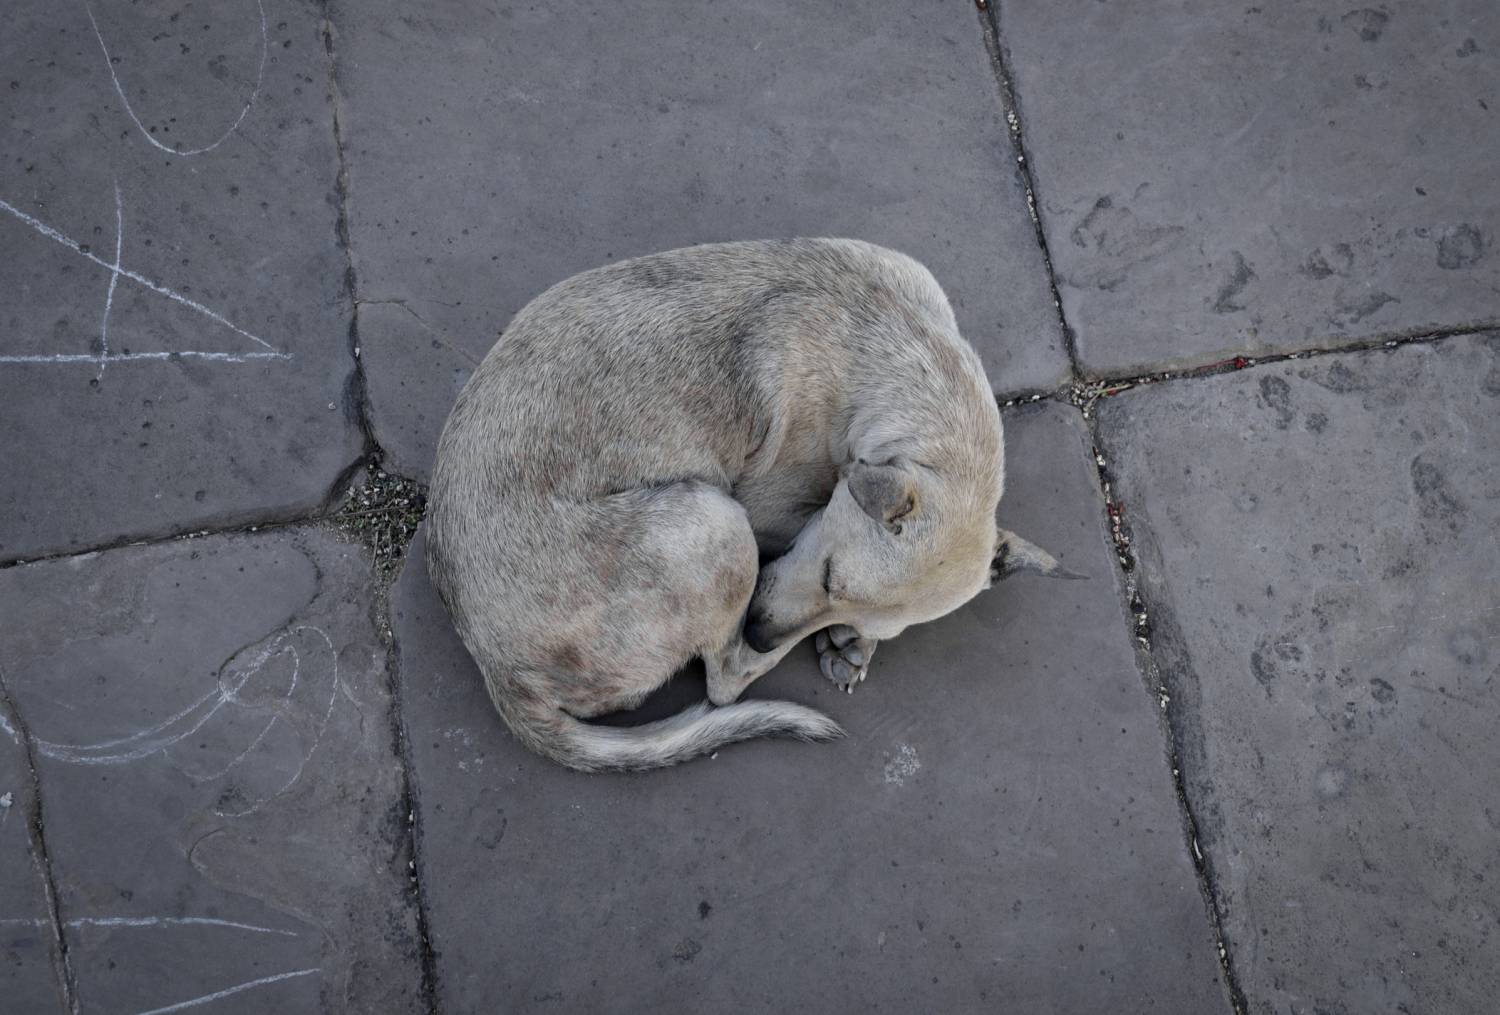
(737, 666)
(844, 656)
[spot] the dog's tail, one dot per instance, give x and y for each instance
(696, 730)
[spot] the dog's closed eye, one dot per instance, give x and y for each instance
(828, 576)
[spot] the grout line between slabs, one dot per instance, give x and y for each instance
(410, 803)
(11, 721)
(356, 391)
(989, 20)
(357, 406)
(1112, 383)
(1085, 392)
(1151, 675)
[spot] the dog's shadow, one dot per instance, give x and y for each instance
(689, 686)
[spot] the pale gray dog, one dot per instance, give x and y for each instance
(646, 433)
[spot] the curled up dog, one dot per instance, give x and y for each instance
(645, 434)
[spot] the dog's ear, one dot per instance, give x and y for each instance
(885, 492)
(1014, 555)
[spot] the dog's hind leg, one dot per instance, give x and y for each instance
(685, 572)
(659, 576)
(712, 551)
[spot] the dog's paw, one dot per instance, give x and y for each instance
(843, 656)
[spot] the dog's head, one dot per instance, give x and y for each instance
(897, 544)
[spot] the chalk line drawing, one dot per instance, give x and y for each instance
(260, 73)
(159, 922)
(153, 921)
(226, 992)
(188, 721)
(116, 272)
(114, 277)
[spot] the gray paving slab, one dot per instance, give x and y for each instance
(1318, 549)
(1230, 179)
(223, 802)
(221, 396)
(998, 830)
(495, 150)
(28, 953)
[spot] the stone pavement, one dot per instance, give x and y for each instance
(1246, 256)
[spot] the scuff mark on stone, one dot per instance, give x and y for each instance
(1353, 307)
(1436, 501)
(1276, 395)
(1338, 260)
(1239, 277)
(1118, 241)
(903, 766)
(1368, 22)
(1460, 246)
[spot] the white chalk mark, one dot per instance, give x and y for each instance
(216, 995)
(266, 729)
(133, 357)
(100, 753)
(154, 921)
(117, 271)
(175, 921)
(333, 692)
(210, 777)
(170, 731)
(114, 277)
(260, 73)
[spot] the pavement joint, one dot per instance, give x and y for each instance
(1093, 386)
(12, 723)
(1152, 676)
(1084, 393)
(390, 522)
(409, 801)
(383, 514)
(989, 19)
(356, 391)
(267, 524)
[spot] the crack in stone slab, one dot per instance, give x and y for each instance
(356, 391)
(989, 19)
(358, 398)
(1151, 675)
(12, 724)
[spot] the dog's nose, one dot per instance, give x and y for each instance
(758, 634)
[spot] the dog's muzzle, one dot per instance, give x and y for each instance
(758, 634)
